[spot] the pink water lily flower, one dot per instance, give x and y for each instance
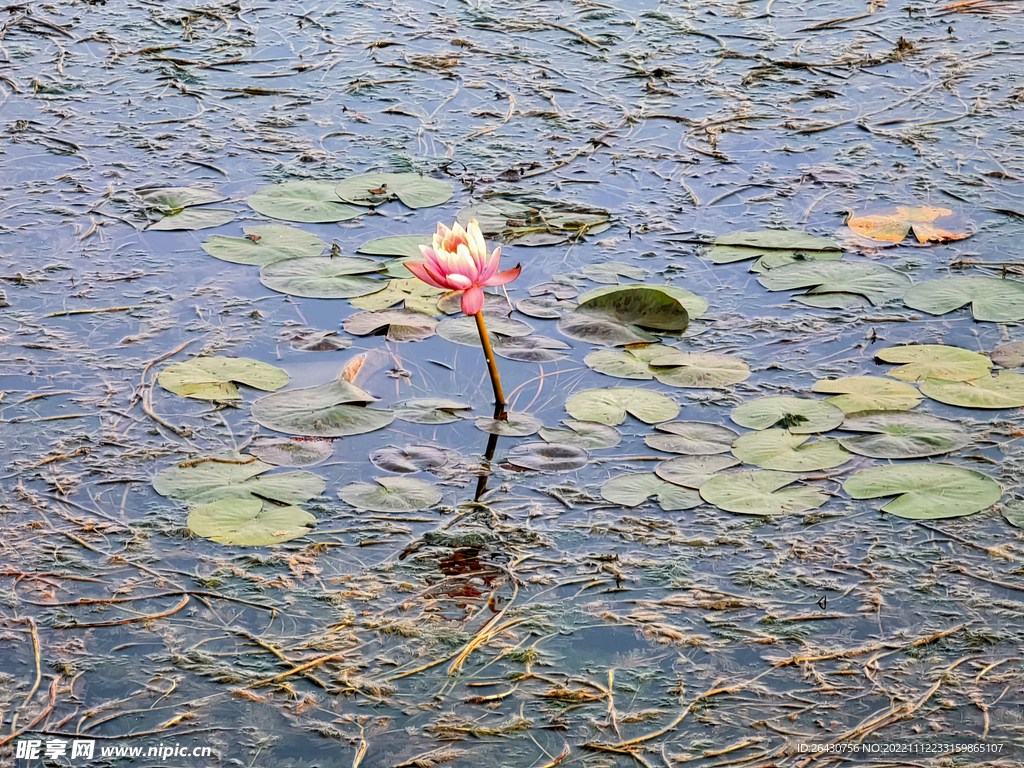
(458, 261)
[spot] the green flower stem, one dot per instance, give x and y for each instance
(492, 366)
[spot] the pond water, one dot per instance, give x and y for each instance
(524, 620)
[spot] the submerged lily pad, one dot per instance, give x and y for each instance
(530, 349)
(412, 458)
(265, 245)
(1004, 390)
(610, 406)
(309, 340)
(249, 522)
(513, 425)
(799, 415)
(463, 330)
(323, 277)
(169, 199)
(935, 361)
(394, 324)
(413, 189)
(1009, 355)
(693, 471)
(761, 492)
(284, 452)
(391, 494)
(875, 282)
(216, 378)
(235, 476)
(545, 307)
(992, 299)
(311, 202)
(535, 221)
(335, 409)
(584, 434)
(773, 248)
(926, 491)
(431, 410)
(633, 490)
(414, 293)
(611, 271)
(782, 450)
(194, 218)
(693, 438)
(548, 457)
(401, 245)
(900, 435)
(869, 393)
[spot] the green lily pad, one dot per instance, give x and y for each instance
(693, 471)
(875, 282)
(583, 434)
(695, 305)
(249, 522)
(415, 294)
(628, 363)
(623, 315)
(193, 218)
(265, 245)
(935, 361)
(1013, 512)
(992, 299)
(391, 494)
(311, 202)
(431, 410)
(216, 378)
(548, 457)
(799, 415)
(514, 425)
(530, 349)
(698, 370)
(1004, 390)
(1009, 355)
(285, 452)
(633, 490)
(761, 493)
(773, 248)
(868, 393)
(610, 406)
(926, 491)
(611, 271)
(323, 277)
(413, 189)
(901, 435)
(832, 301)
(692, 438)
(412, 458)
(234, 476)
(533, 222)
(169, 199)
(394, 324)
(782, 450)
(407, 246)
(334, 409)
(463, 330)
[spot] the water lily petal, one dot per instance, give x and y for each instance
(472, 300)
(505, 277)
(421, 271)
(458, 282)
(491, 266)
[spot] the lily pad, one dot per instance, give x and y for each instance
(698, 370)
(583, 434)
(545, 307)
(216, 378)
(930, 225)
(415, 294)
(412, 458)
(401, 245)
(535, 222)
(900, 435)
(323, 277)
(530, 349)
(557, 289)
(318, 341)
(1009, 355)
(935, 361)
(548, 457)
(1004, 390)
(692, 438)
(335, 409)
(514, 425)
(782, 450)
(1013, 512)
(265, 245)
(235, 476)
(391, 494)
(285, 452)
(633, 490)
(623, 315)
(761, 493)
(311, 202)
(394, 324)
(773, 248)
(463, 330)
(926, 491)
(868, 393)
(799, 415)
(194, 218)
(170, 199)
(413, 189)
(249, 522)
(431, 410)
(695, 305)
(693, 471)
(875, 282)
(992, 299)
(611, 271)
(610, 406)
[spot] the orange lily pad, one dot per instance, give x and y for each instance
(929, 224)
